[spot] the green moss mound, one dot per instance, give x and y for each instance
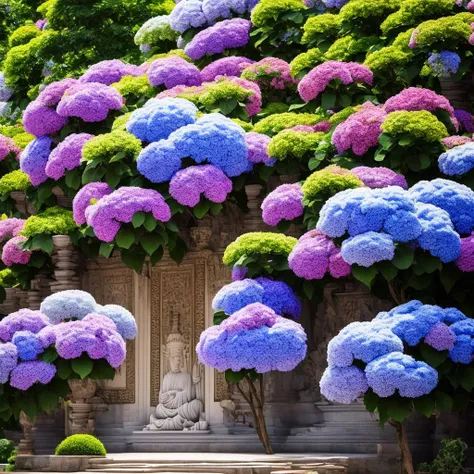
(80, 445)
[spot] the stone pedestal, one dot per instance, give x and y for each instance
(65, 263)
(61, 198)
(9, 305)
(21, 297)
(253, 219)
(27, 442)
(81, 409)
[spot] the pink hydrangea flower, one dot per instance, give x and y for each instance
(13, 253)
(455, 140)
(7, 146)
(379, 177)
(228, 66)
(10, 227)
(284, 203)
(277, 72)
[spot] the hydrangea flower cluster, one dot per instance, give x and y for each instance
(119, 207)
(213, 138)
(10, 227)
(33, 159)
(226, 34)
(8, 360)
(465, 120)
(257, 144)
(379, 177)
(122, 318)
(26, 374)
(284, 203)
(109, 71)
(154, 30)
(318, 79)
(7, 146)
(253, 338)
(84, 198)
(13, 253)
(465, 262)
(458, 160)
(228, 66)
(173, 71)
(28, 345)
(53, 93)
(39, 119)
(275, 294)
(158, 118)
(445, 63)
(5, 92)
(187, 185)
(67, 305)
(314, 255)
(270, 72)
(22, 320)
(67, 155)
(360, 131)
(455, 140)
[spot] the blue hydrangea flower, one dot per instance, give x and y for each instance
(445, 63)
(367, 249)
(8, 360)
(456, 199)
(362, 341)
(161, 117)
(159, 161)
(343, 384)
(187, 14)
(397, 371)
(438, 235)
(33, 159)
(123, 319)
(236, 295)
(453, 315)
(463, 349)
(458, 160)
(28, 345)
(280, 297)
(68, 304)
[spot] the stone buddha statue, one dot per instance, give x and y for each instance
(180, 404)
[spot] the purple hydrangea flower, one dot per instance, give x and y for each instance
(457, 161)
(8, 360)
(187, 14)
(39, 119)
(216, 39)
(284, 203)
(270, 72)
(40, 24)
(13, 253)
(68, 304)
(10, 227)
(123, 319)
(397, 371)
(22, 320)
(379, 177)
(67, 155)
(465, 120)
(7, 146)
(343, 384)
(253, 338)
(257, 144)
(28, 344)
(173, 71)
(441, 337)
(334, 3)
(360, 131)
(90, 101)
(187, 185)
(161, 117)
(445, 63)
(26, 374)
(455, 140)
(314, 255)
(368, 248)
(33, 159)
(228, 66)
(119, 207)
(236, 295)
(52, 93)
(239, 273)
(316, 81)
(109, 71)
(465, 262)
(83, 198)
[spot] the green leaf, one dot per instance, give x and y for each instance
(64, 369)
(172, 226)
(388, 270)
(106, 249)
(371, 401)
(226, 106)
(449, 277)
(444, 402)
(93, 174)
(179, 250)
(150, 223)
(308, 288)
(37, 260)
(49, 355)
(215, 208)
(235, 377)
(102, 371)
(219, 316)
(386, 141)
(328, 100)
(432, 356)
(29, 406)
(157, 256)
(364, 274)
(73, 179)
(399, 409)
(425, 405)
(117, 157)
(43, 242)
(403, 257)
(380, 155)
(112, 178)
(125, 238)
(200, 210)
(405, 140)
(138, 219)
(44, 193)
(150, 243)
(47, 399)
(82, 366)
(134, 259)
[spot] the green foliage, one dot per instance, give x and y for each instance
(105, 147)
(268, 11)
(450, 459)
(173, 52)
(17, 132)
(54, 221)
(366, 14)
(132, 87)
(304, 62)
(121, 122)
(321, 28)
(291, 143)
(351, 48)
(23, 35)
(14, 181)
(153, 32)
(80, 445)
(275, 123)
(247, 126)
(342, 115)
(7, 447)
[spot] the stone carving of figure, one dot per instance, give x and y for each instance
(180, 400)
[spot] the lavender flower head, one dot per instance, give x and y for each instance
(123, 319)
(90, 101)
(316, 81)
(215, 9)
(40, 24)
(334, 3)
(119, 207)
(465, 120)
(173, 71)
(239, 273)
(13, 253)
(5, 92)
(343, 384)
(360, 131)
(379, 177)
(68, 304)
(284, 203)
(458, 160)
(368, 248)
(26, 374)
(83, 198)
(109, 71)
(187, 185)
(33, 159)
(314, 255)
(187, 14)
(7, 146)
(8, 360)
(22, 320)
(52, 93)
(10, 227)
(160, 117)
(465, 262)
(257, 144)
(441, 337)
(253, 338)
(216, 39)
(28, 345)
(67, 155)
(39, 119)
(270, 72)
(228, 66)
(445, 63)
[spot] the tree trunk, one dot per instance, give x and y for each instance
(256, 402)
(406, 458)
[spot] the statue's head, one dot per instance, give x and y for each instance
(176, 359)
(175, 347)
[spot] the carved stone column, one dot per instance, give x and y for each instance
(200, 238)
(61, 198)
(9, 305)
(65, 262)
(22, 204)
(27, 442)
(253, 219)
(21, 298)
(81, 409)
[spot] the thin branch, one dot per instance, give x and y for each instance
(262, 391)
(393, 293)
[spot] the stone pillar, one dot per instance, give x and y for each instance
(21, 298)
(9, 305)
(65, 263)
(253, 219)
(21, 204)
(81, 409)
(61, 199)
(27, 442)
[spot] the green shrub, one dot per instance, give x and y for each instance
(6, 449)
(54, 221)
(450, 459)
(14, 181)
(80, 445)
